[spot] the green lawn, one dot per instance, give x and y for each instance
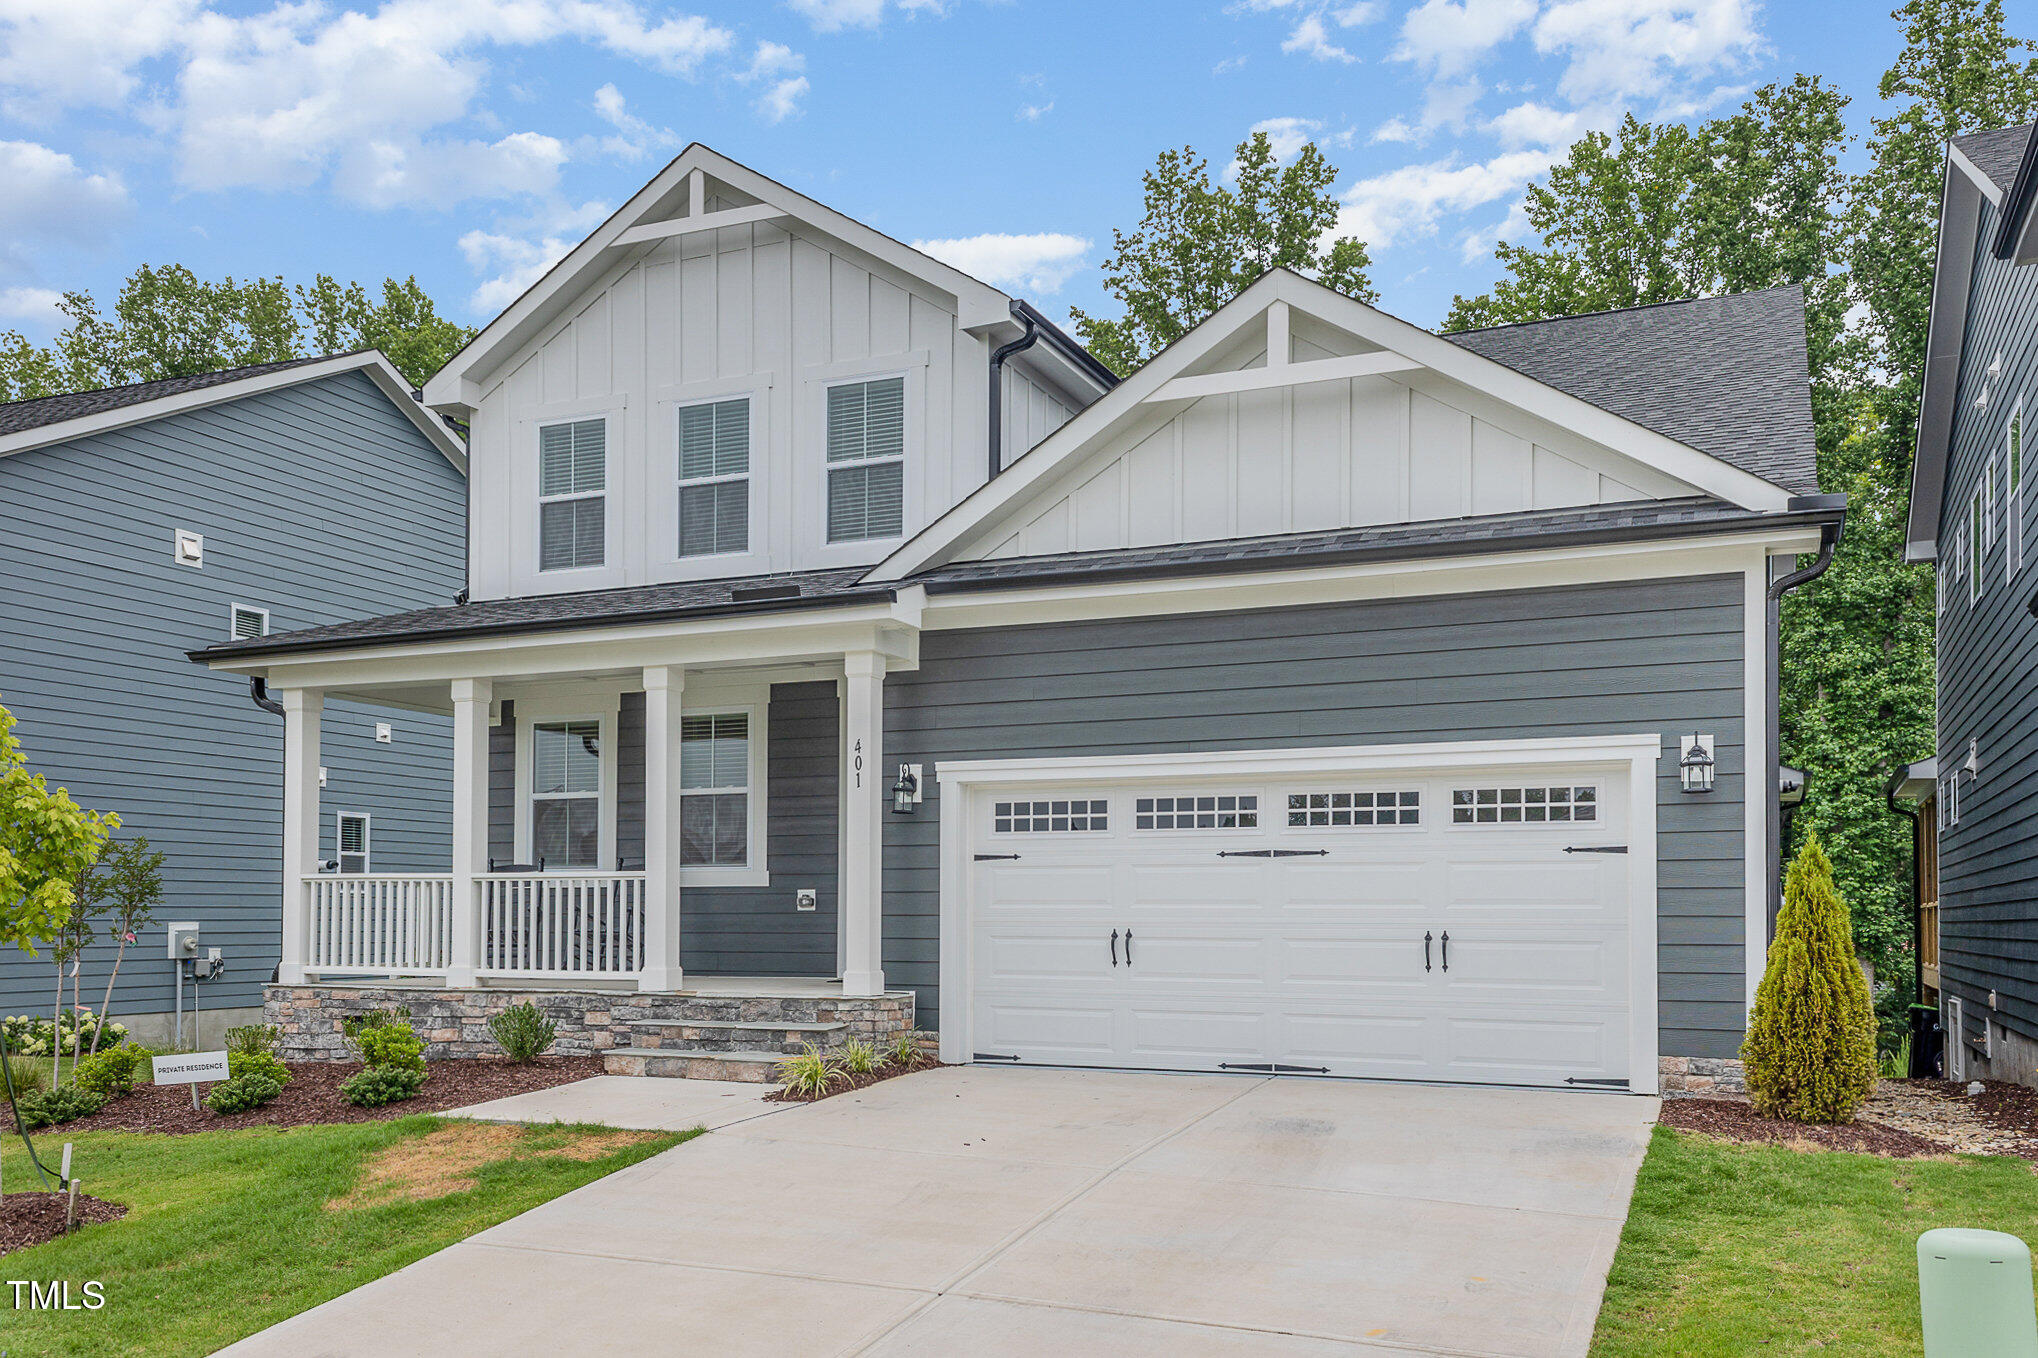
(1733, 1250)
(229, 1232)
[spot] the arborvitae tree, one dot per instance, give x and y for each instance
(1810, 1050)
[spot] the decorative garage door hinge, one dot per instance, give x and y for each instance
(1273, 1068)
(990, 1056)
(987, 857)
(1610, 1084)
(1272, 853)
(1595, 848)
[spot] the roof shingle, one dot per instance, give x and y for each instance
(1726, 375)
(1997, 152)
(38, 411)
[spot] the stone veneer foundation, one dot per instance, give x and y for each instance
(1691, 1076)
(454, 1023)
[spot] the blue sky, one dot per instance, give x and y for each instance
(471, 141)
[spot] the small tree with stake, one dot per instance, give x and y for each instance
(1810, 1050)
(125, 886)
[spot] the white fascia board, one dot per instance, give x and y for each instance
(1945, 343)
(1412, 343)
(978, 304)
(369, 361)
(1956, 159)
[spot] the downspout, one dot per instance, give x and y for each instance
(1911, 814)
(1829, 541)
(258, 694)
(998, 357)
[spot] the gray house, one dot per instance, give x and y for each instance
(1977, 835)
(147, 520)
(847, 649)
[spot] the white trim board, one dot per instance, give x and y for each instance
(370, 361)
(1637, 754)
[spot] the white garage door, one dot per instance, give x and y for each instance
(1468, 927)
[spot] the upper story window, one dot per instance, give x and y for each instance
(1977, 521)
(867, 460)
(714, 780)
(714, 478)
(566, 793)
(2013, 498)
(572, 494)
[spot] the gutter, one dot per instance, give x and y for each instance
(1801, 514)
(998, 357)
(1911, 813)
(258, 694)
(1829, 542)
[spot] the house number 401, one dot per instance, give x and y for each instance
(856, 765)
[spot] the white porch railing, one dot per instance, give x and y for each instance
(555, 924)
(376, 923)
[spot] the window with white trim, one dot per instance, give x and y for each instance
(1334, 809)
(1949, 800)
(572, 494)
(352, 838)
(714, 478)
(1207, 811)
(566, 793)
(714, 780)
(1523, 805)
(1052, 816)
(2013, 497)
(1976, 527)
(245, 623)
(867, 460)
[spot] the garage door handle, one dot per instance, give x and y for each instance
(1447, 950)
(1128, 947)
(1427, 939)
(1114, 948)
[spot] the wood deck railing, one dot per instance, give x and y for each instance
(379, 923)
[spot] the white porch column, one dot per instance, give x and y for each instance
(663, 685)
(471, 699)
(302, 709)
(862, 891)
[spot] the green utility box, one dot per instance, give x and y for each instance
(1975, 1290)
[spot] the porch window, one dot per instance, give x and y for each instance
(714, 778)
(714, 478)
(572, 494)
(353, 842)
(566, 793)
(867, 460)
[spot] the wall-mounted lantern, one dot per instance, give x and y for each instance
(1695, 767)
(906, 791)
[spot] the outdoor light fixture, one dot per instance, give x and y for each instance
(1695, 769)
(905, 792)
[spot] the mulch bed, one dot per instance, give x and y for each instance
(313, 1096)
(1732, 1120)
(846, 1083)
(34, 1218)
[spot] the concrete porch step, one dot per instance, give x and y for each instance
(704, 1035)
(756, 1067)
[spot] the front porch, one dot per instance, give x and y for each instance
(725, 1028)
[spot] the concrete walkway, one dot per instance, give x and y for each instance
(633, 1102)
(1019, 1212)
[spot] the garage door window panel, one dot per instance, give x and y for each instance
(1200, 811)
(1053, 815)
(1539, 805)
(1346, 810)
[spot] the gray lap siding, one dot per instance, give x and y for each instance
(1661, 656)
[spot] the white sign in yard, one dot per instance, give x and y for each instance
(190, 1068)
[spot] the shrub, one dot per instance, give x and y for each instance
(808, 1075)
(37, 1035)
(392, 1044)
(28, 1075)
(905, 1049)
(49, 1107)
(859, 1057)
(254, 1038)
(112, 1071)
(378, 1085)
(243, 1065)
(523, 1032)
(354, 1025)
(1810, 1050)
(242, 1092)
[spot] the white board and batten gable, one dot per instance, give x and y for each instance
(1360, 419)
(717, 291)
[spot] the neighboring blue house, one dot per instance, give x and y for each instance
(1977, 834)
(144, 521)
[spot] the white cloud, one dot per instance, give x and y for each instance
(1624, 48)
(1311, 38)
(1534, 124)
(1228, 65)
(63, 53)
(1448, 37)
(634, 137)
(1033, 113)
(48, 195)
(403, 173)
(1387, 208)
(34, 307)
(779, 69)
(827, 16)
(1477, 244)
(1037, 263)
(1288, 135)
(520, 252)
(1310, 35)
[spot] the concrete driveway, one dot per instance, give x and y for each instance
(1021, 1212)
